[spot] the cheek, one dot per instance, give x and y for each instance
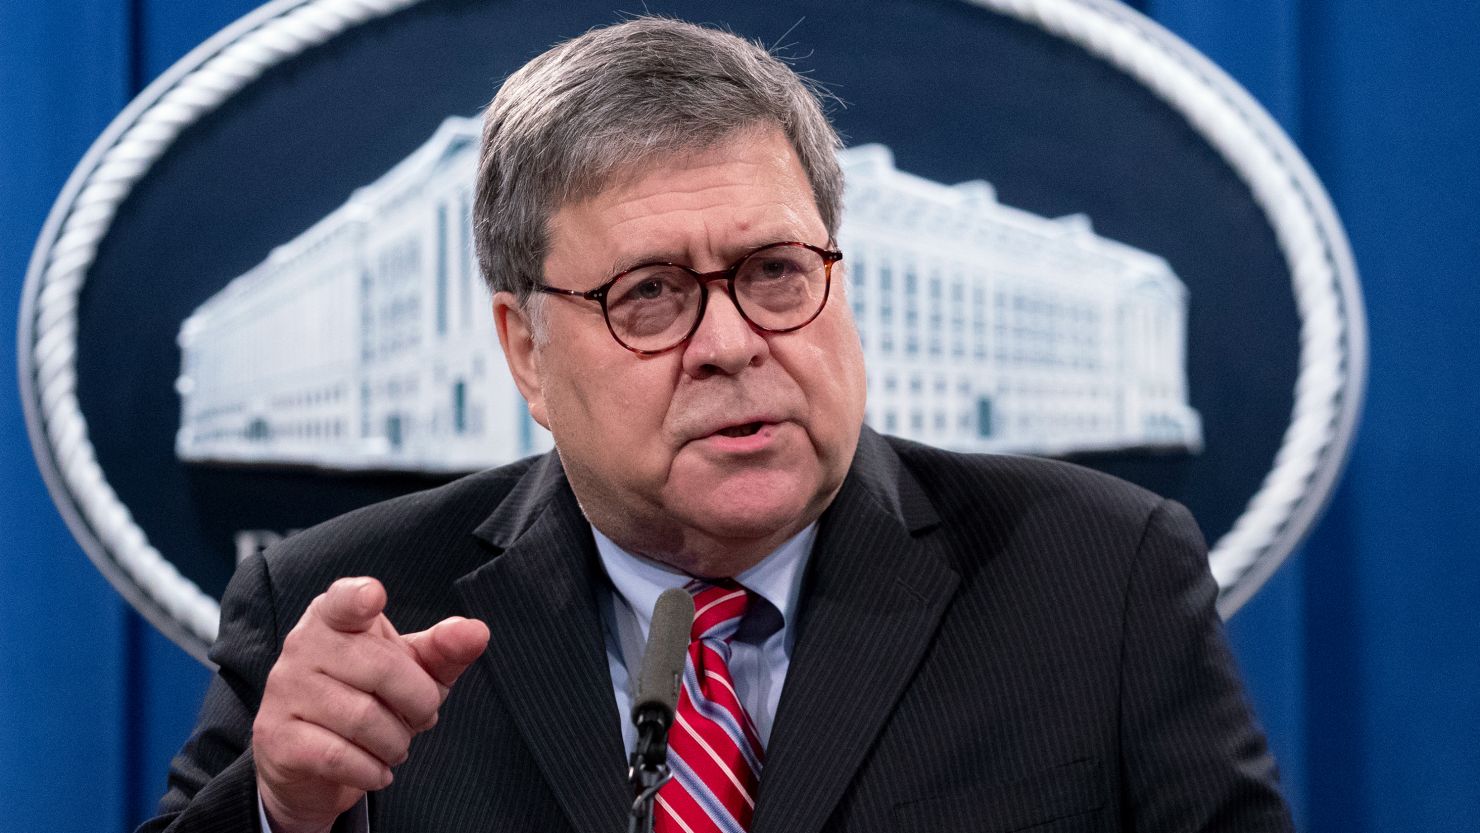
(844, 359)
(618, 405)
(832, 374)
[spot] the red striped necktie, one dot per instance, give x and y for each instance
(713, 748)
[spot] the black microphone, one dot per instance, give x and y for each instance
(662, 671)
(656, 699)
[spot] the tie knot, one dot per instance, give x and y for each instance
(718, 608)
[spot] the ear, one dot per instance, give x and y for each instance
(516, 336)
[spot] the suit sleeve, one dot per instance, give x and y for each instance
(1194, 760)
(212, 781)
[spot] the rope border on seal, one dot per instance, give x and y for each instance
(1332, 369)
(197, 85)
(1328, 389)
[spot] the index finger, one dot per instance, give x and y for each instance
(350, 605)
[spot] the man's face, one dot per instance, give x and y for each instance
(645, 440)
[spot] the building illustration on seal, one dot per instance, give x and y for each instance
(366, 343)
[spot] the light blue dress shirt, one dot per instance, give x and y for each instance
(760, 651)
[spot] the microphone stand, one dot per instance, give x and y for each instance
(647, 782)
(648, 772)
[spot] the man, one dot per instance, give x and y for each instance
(890, 637)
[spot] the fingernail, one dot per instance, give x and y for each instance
(361, 589)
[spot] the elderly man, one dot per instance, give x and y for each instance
(890, 637)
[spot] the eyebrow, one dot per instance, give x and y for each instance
(624, 264)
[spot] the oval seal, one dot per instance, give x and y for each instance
(253, 306)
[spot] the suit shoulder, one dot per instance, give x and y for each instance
(409, 538)
(994, 495)
(965, 477)
(1066, 530)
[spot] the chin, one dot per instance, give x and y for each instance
(751, 510)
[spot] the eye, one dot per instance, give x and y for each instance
(772, 267)
(649, 285)
(647, 290)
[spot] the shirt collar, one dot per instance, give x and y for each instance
(777, 578)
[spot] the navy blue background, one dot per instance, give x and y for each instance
(1362, 654)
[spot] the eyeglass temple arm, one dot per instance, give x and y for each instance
(589, 294)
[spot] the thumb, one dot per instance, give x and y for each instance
(447, 648)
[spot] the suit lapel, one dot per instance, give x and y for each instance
(547, 651)
(875, 591)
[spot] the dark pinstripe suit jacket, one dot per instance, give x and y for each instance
(985, 643)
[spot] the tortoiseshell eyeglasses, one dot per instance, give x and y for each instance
(653, 308)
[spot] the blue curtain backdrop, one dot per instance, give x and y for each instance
(1362, 654)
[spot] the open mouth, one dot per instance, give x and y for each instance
(741, 430)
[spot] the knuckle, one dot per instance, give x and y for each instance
(290, 755)
(335, 756)
(362, 714)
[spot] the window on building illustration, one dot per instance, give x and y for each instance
(465, 246)
(364, 409)
(459, 407)
(984, 424)
(441, 277)
(258, 430)
(858, 288)
(393, 431)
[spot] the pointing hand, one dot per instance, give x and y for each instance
(344, 700)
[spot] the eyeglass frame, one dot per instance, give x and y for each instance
(729, 273)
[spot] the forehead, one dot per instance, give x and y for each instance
(745, 191)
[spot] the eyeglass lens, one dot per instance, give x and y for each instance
(777, 288)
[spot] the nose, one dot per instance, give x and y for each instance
(725, 343)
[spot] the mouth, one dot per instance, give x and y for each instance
(751, 437)
(746, 430)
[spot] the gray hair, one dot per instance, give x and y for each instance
(597, 106)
